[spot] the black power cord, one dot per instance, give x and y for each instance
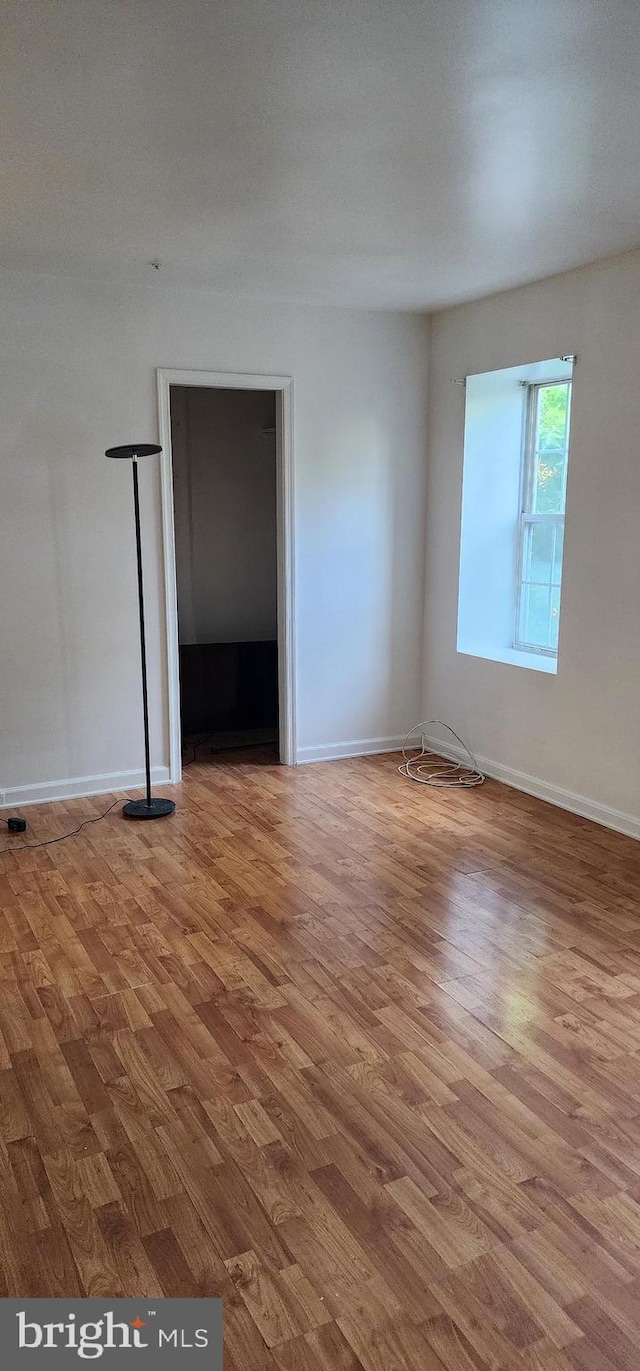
(196, 748)
(46, 842)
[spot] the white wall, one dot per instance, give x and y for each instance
(494, 404)
(77, 376)
(224, 477)
(578, 731)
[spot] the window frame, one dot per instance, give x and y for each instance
(527, 518)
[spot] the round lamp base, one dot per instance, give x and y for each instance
(139, 809)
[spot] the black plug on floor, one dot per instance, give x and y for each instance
(16, 825)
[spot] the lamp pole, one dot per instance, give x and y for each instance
(149, 808)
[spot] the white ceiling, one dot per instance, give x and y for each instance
(406, 153)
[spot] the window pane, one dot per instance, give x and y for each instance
(536, 608)
(552, 417)
(538, 554)
(549, 484)
(550, 457)
(557, 560)
(555, 617)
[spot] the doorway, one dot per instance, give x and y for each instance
(228, 525)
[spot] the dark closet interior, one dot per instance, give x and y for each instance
(224, 476)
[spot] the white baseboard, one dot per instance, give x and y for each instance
(543, 790)
(78, 787)
(358, 747)
(40, 792)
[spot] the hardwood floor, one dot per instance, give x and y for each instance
(358, 1056)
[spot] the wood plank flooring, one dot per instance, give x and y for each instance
(361, 1057)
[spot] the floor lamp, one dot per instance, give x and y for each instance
(149, 808)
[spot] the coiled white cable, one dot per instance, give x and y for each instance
(422, 764)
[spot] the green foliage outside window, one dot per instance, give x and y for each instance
(551, 448)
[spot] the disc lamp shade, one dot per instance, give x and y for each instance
(149, 808)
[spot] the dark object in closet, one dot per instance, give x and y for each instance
(228, 686)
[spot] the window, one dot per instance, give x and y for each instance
(516, 444)
(541, 539)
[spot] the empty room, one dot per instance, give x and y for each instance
(320, 684)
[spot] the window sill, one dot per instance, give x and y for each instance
(513, 656)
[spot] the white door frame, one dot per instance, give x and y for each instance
(234, 380)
